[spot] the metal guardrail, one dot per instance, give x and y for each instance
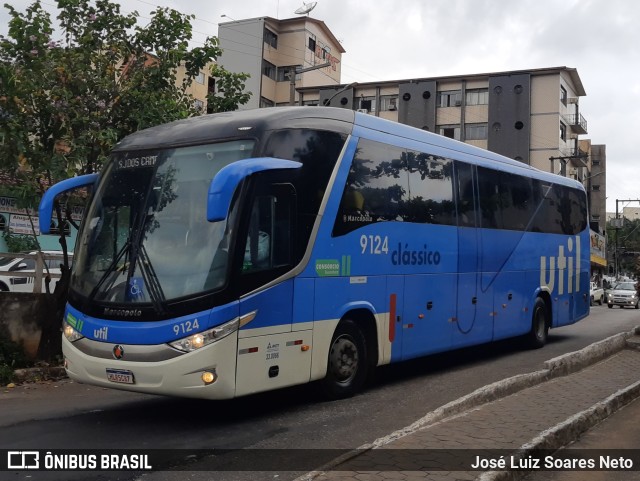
(40, 269)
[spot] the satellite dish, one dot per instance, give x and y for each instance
(306, 8)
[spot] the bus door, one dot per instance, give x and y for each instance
(474, 301)
(269, 343)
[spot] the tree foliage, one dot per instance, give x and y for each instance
(627, 246)
(70, 90)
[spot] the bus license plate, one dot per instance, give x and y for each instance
(120, 375)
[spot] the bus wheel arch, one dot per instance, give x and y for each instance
(352, 355)
(540, 321)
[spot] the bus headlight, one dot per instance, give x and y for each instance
(204, 338)
(70, 333)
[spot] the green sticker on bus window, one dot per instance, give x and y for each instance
(73, 322)
(327, 267)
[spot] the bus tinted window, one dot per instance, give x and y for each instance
(388, 183)
(517, 201)
(430, 190)
(466, 192)
(317, 150)
(490, 198)
(562, 209)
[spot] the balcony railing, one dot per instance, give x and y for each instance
(577, 122)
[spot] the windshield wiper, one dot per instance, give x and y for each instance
(123, 250)
(156, 294)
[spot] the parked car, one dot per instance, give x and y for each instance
(597, 294)
(9, 283)
(623, 294)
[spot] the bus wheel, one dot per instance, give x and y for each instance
(537, 337)
(347, 361)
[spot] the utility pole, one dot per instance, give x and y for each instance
(564, 159)
(292, 79)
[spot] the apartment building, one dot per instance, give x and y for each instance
(529, 115)
(271, 50)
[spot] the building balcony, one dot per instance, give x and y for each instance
(577, 122)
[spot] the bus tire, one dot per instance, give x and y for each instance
(537, 337)
(347, 362)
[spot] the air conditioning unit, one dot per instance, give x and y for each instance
(458, 103)
(573, 136)
(572, 100)
(363, 111)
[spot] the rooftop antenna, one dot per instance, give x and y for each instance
(306, 8)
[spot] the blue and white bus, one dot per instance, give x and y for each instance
(240, 252)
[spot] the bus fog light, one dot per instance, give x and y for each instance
(209, 377)
(201, 339)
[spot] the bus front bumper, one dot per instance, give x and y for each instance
(181, 375)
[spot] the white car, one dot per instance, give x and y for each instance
(9, 283)
(597, 294)
(623, 294)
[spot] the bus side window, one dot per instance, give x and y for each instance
(465, 192)
(490, 200)
(269, 237)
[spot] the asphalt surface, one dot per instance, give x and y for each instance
(551, 408)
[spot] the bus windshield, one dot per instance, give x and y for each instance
(146, 237)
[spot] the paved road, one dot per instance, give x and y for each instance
(71, 415)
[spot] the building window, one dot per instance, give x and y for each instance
(477, 97)
(450, 98)
(563, 131)
(563, 95)
(270, 38)
(475, 131)
(595, 187)
(3, 222)
(268, 69)
(198, 104)
(451, 131)
(595, 162)
(312, 43)
(388, 102)
(200, 78)
(368, 104)
(264, 102)
(284, 72)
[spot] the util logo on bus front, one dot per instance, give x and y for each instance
(566, 265)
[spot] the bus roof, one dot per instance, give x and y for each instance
(251, 123)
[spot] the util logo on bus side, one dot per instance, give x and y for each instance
(561, 263)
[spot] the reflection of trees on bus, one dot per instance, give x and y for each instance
(164, 192)
(386, 183)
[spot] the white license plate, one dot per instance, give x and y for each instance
(120, 375)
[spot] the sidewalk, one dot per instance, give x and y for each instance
(547, 410)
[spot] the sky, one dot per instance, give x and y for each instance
(402, 39)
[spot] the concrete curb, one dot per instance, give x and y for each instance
(553, 368)
(34, 374)
(567, 431)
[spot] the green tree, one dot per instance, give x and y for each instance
(71, 88)
(627, 245)
(65, 102)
